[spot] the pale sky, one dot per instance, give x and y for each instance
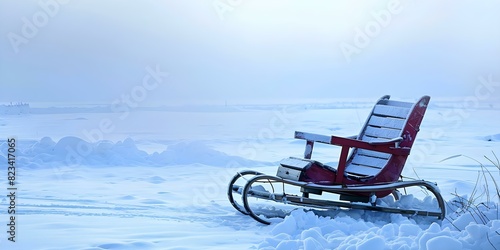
(234, 50)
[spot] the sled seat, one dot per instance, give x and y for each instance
(378, 153)
(368, 168)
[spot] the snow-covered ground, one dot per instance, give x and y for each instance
(156, 178)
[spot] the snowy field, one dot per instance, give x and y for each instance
(156, 178)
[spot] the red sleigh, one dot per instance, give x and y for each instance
(369, 167)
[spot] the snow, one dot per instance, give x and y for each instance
(493, 137)
(157, 179)
(345, 232)
(71, 150)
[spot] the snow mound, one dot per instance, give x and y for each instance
(196, 152)
(306, 230)
(71, 150)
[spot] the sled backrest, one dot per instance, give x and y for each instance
(388, 121)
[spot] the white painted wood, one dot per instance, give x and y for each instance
(394, 140)
(368, 161)
(313, 137)
(386, 122)
(373, 153)
(391, 111)
(294, 162)
(289, 173)
(362, 170)
(368, 138)
(385, 133)
(396, 103)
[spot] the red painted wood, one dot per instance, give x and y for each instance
(342, 164)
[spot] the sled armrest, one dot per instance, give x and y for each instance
(313, 137)
(389, 147)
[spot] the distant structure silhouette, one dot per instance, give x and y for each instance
(15, 109)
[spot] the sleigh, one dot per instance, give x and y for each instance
(368, 169)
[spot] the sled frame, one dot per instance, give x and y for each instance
(383, 144)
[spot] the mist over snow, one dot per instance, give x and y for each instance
(131, 117)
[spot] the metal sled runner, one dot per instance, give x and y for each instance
(369, 168)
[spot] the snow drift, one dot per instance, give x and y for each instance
(71, 150)
(305, 230)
